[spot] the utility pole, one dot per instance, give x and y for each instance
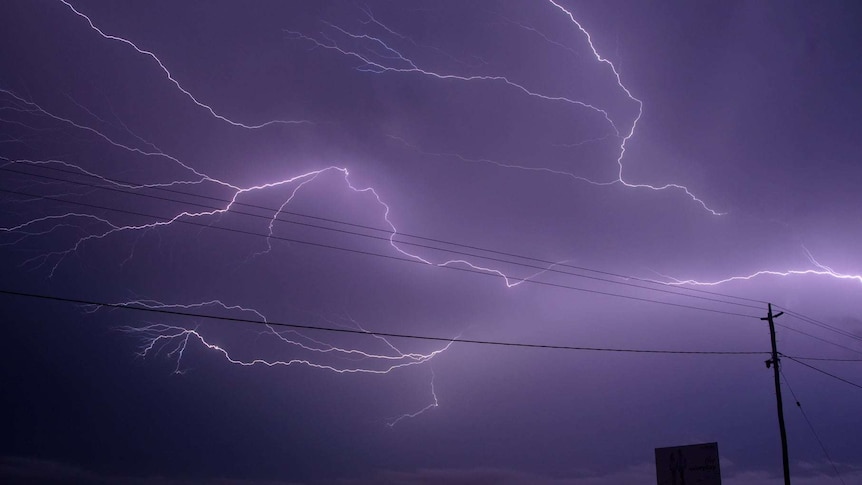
(773, 362)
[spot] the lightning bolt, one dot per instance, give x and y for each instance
(294, 347)
(173, 341)
(435, 403)
(171, 78)
(376, 56)
(111, 228)
(379, 57)
(821, 270)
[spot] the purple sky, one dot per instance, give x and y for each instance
(254, 161)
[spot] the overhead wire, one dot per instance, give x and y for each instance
(815, 337)
(387, 231)
(544, 269)
(826, 359)
(370, 253)
(819, 323)
(811, 427)
(823, 371)
(181, 313)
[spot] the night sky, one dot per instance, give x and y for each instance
(613, 176)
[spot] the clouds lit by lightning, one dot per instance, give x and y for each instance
(173, 340)
(376, 51)
(111, 228)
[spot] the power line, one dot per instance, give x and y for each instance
(545, 269)
(364, 332)
(811, 427)
(387, 239)
(386, 256)
(387, 231)
(819, 338)
(821, 324)
(113, 189)
(826, 359)
(824, 372)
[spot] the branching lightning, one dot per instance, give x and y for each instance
(376, 56)
(112, 228)
(435, 403)
(171, 78)
(379, 57)
(818, 270)
(173, 341)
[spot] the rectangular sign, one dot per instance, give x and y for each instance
(688, 465)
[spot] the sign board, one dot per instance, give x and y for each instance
(688, 465)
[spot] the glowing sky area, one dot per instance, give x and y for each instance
(222, 224)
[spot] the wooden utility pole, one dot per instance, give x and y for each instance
(773, 362)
